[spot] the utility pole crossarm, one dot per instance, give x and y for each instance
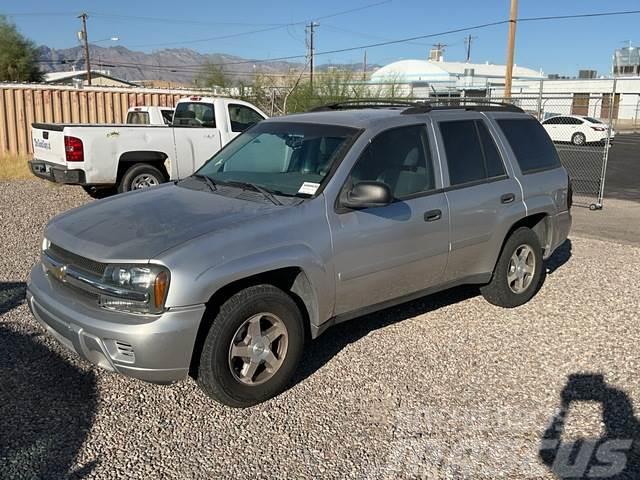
(87, 61)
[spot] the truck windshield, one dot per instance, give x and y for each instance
(283, 158)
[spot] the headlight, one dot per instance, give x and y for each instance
(45, 243)
(152, 281)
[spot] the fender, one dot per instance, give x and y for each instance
(200, 288)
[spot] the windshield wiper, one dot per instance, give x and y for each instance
(266, 193)
(210, 183)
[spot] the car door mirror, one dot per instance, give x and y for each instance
(367, 195)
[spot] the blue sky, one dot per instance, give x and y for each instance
(560, 46)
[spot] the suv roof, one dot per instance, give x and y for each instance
(363, 114)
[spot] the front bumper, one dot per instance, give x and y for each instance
(152, 348)
(57, 173)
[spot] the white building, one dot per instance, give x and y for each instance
(592, 97)
(428, 78)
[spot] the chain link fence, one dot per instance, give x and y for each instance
(582, 130)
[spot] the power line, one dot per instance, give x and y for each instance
(396, 41)
(262, 30)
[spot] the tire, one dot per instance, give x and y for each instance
(99, 192)
(220, 373)
(579, 139)
(502, 290)
(133, 178)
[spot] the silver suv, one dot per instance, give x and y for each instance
(300, 223)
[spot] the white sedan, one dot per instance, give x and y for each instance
(577, 129)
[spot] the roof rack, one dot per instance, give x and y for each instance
(481, 106)
(362, 103)
(413, 108)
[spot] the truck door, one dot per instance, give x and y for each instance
(196, 135)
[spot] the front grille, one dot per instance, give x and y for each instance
(76, 261)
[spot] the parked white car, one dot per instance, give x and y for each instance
(577, 129)
(105, 159)
(149, 115)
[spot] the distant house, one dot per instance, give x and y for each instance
(98, 78)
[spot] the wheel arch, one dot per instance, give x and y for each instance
(293, 280)
(540, 223)
(154, 158)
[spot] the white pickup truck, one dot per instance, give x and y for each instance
(106, 159)
(150, 115)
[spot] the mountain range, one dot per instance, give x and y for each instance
(175, 65)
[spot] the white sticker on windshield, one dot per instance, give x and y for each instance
(309, 188)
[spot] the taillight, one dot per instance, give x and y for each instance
(598, 129)
(569, 193)
(74, 150)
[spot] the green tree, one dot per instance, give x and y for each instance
(18, 55)
(213, 76)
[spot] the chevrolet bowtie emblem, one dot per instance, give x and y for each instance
(59, 272)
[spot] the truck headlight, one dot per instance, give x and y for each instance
(138, 288)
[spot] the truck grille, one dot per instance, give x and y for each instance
(76, 261)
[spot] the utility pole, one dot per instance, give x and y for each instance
(364, 66)
(467, 41)
(87, 61)
(310, 29)
(508, 76)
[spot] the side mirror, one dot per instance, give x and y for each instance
(367, 195)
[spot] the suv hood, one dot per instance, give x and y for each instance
(141, 225)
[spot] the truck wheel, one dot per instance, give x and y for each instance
(97, 192)
(517, 276)
(253, 347)
(140, 175)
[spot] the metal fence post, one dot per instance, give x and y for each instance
(605, 156)
(540, 100)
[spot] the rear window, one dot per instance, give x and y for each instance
(138, 118)
(194, 114)
(530, 143)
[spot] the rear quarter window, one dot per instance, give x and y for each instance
(530, 143)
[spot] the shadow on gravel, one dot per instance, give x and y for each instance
(325, 347)
(559, 257)
(47, 406)
(11, 295)
(321, 350)
(615, 455)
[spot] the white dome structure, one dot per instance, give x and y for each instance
(408, 71)
(428, 71)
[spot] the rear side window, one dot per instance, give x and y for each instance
(530, 143)
(471, 152)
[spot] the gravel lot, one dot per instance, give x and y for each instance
(444, 387)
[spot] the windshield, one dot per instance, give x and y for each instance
(283, 158)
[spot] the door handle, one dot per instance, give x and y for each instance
(507, 198)
(432, 215)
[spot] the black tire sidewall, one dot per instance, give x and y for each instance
(498, 291)
(214, 373)
(579, 135)
(135, 170)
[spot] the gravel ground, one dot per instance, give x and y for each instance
(444, 387)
